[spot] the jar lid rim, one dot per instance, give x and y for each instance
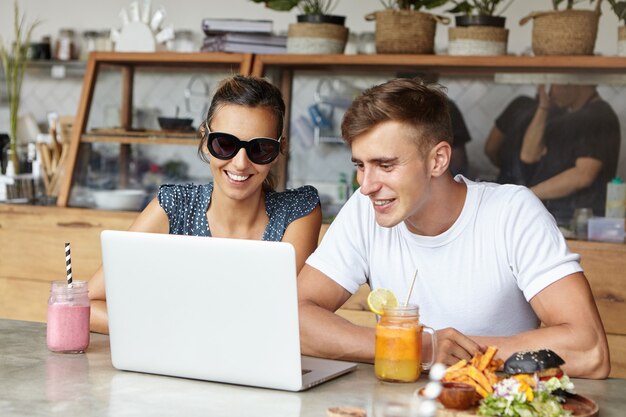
(62, 286)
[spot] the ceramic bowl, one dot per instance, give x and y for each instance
(119, 199)
(457, 396)
(175, 123)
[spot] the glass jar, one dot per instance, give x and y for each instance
(104, 41)
(65, 48)
(398, 356)
(183, 41)
(580, 222)
(90, 43)
(68, 317)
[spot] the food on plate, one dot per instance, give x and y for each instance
(479, 372)
(535, 387)
(544, 362)
(457, 395)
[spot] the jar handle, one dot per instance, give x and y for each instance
(426, 365)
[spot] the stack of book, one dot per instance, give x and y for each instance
(242, 36)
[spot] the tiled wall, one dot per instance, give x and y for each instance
(158, 93)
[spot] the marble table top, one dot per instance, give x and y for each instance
(37, 382)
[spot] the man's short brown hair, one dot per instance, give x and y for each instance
(422, 107)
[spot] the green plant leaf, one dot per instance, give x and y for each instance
(308, 7)
(619, 7)
(436, 3)
(282, 5)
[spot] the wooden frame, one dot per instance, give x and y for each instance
(129, 62)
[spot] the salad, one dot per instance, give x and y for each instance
(525, 395)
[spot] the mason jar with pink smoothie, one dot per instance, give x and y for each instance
(68, 317)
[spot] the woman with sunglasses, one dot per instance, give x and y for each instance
(240, 139)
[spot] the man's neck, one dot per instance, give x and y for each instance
(443, 208)
(586, 95)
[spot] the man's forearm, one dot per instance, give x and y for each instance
(325, 334)
(561, 185)
(533, 146)
(583, 349)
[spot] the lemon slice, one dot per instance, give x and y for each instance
(380, 298)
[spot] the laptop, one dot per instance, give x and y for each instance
(214, 309)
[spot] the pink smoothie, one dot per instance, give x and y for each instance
(68, 328)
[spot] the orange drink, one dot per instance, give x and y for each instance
(399, 345)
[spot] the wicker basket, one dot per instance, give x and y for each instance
(477, 40)
(316, 38)
(405, 31)
(621, 41)
(564, 32)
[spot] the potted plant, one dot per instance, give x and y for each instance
(564, 30)
(479, 30)
(480, 12)
(14, 59)
(317, 31)
(619, 7)
(402, 28)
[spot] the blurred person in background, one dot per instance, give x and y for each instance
(504, 142)
(572, 143)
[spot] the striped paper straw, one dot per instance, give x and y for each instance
(68, 264)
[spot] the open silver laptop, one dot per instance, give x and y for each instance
(222, 310)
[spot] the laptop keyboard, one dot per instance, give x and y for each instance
(306, 371)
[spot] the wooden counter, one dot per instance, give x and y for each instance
(32, 240)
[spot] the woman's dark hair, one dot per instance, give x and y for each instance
(422, 107)
(248, 91)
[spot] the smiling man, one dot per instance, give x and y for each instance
(492, 263)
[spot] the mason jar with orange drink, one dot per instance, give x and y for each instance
(398, 356)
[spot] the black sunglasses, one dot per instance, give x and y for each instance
(260, 150)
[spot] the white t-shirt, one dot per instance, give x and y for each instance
(476, 277)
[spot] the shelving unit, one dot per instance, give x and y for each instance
(128, 63)
(26, 284)
(155, 137)
(281, 69)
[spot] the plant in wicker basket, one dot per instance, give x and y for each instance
(479, 31)
(317, 31)
(480, 12)
(564, 30)
(401, 28)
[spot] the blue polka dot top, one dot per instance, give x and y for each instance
(186, 206)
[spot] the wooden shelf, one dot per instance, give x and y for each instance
(174, 59)
(154, 137)
(444, 63)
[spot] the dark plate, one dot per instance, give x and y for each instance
(579, 405)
